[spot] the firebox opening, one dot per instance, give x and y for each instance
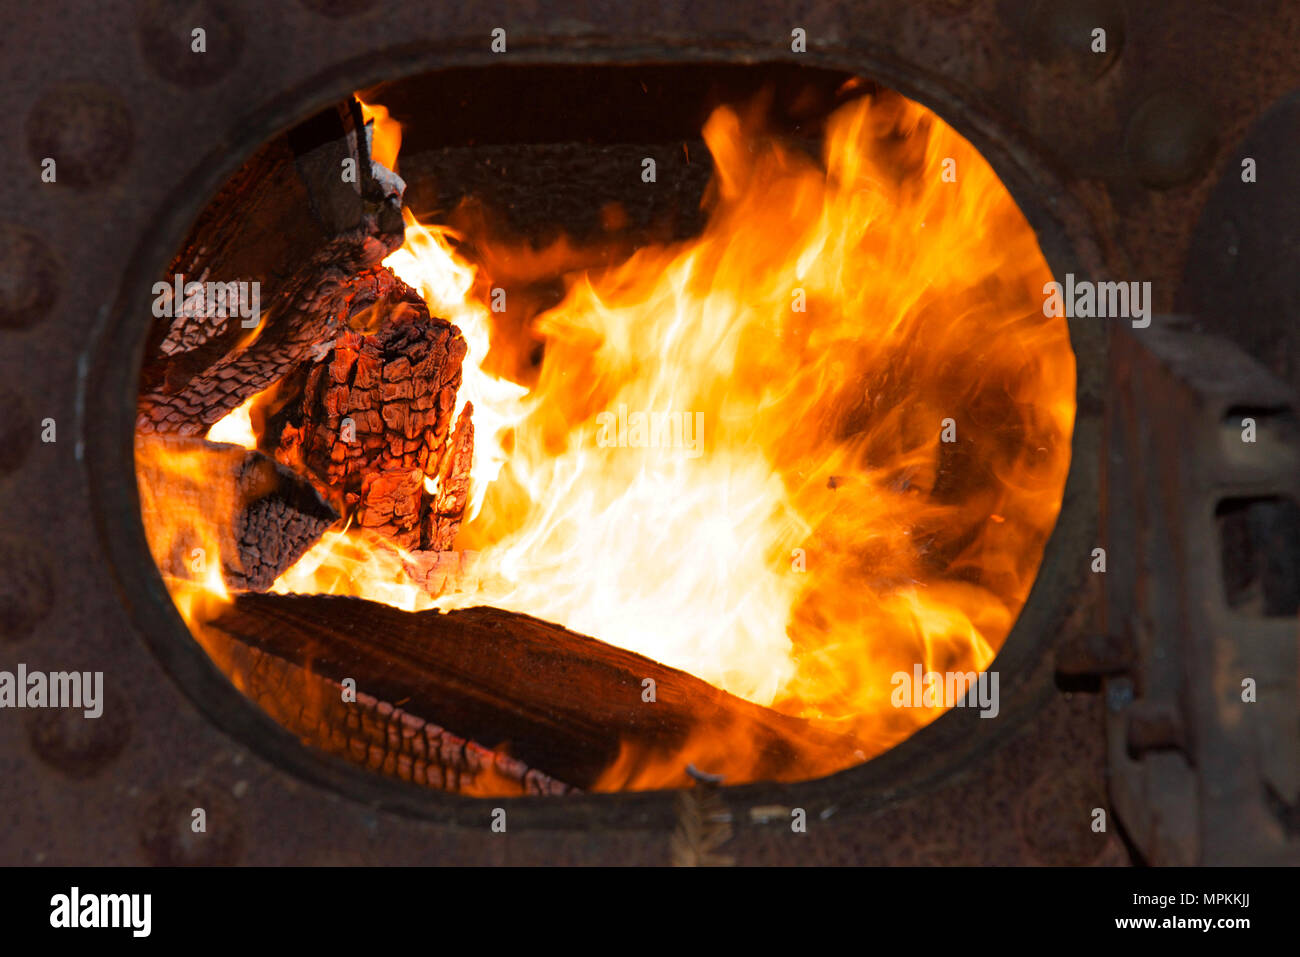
(538, 430)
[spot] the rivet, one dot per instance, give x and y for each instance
(166, 32)
(17, 431)
(168, 835)
(29, 279)
(80, 747)
(1063, 34)
(1170, 140)
(26, 589)
(86, 129)
(1055, 818)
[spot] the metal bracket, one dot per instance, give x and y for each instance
(1201, 480)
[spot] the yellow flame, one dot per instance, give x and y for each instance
(237, 426)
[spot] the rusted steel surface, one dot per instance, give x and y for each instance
(1112, 156)
(1204, 727)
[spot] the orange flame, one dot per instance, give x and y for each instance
(387, 134)
(187, 518)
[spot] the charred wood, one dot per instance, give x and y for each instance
(378, 735)
(374, 418)
(559, 702)
(291, 222)
(195, 495)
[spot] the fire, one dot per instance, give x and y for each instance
(351, 561)
(387, 134)
(820, 444)
(427, 262)
(187, 527)
(237, 427)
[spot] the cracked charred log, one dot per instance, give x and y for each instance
(559, 702)
(374, 418)
(290, 222)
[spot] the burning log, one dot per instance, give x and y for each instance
(375, 414)
(291, 225)
(559, 702)
(441, 572)
(443, 520)
(197, 495)
(383, 738)
(435, 571)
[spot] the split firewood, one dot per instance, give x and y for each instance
(197, 495)
(442, 520)
(374, 419)
(288, 233)
(563, 704)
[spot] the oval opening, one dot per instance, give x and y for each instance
(715, 406)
